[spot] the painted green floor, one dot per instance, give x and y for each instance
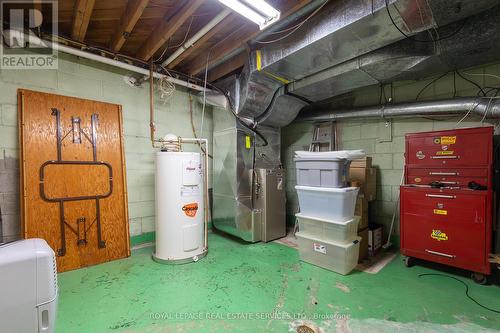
(251, 281)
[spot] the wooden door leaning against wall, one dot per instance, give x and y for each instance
(73, 186)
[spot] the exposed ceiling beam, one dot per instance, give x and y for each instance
(228, 66)
(167, 27)
(127, 22)
(236, 40)
(37, 5)
(81, 18)
(224, 23)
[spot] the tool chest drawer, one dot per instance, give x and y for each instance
(450, 177)
(447, 206)
(446, 226)
(458, 244)
(455, 148)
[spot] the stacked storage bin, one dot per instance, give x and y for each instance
(327, 234)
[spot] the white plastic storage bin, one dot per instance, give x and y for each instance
(336, 204)
(337, 257)
(335, 231)
(322, 171)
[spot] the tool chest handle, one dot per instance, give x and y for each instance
(440, 196)
(443, 173)
(441, 254)
(444, 157)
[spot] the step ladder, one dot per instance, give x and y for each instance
(324, 137)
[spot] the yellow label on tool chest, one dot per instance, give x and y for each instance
(440, 212)
(444, 152)
(439, 235)
(448, 140)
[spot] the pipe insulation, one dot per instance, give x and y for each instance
(480, 106)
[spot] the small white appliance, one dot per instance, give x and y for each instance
(28, 287)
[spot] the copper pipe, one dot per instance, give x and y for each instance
(152, 125)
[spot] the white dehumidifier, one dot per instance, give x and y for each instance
(28, 287)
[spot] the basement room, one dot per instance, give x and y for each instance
(304, 166)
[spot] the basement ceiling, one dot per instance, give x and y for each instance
(146, 29)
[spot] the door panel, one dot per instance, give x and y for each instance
(90, 149)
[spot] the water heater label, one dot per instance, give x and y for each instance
(320, 248)
(190, 191)
(190, 209)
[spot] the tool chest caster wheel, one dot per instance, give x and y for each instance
(409, 261)
(479, 278)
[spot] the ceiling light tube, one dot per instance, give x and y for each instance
(257, 11)
(261, 6)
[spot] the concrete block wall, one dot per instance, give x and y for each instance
(384, 141)
(88, 79)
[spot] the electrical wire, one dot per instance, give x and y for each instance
(165, 86)
(193, 129)
(467, 114)
(482, 74)
(205, 93)
(420, 40)
(472, 82)
(466, 289)
(293, 29)
(178, 45)
(428, 85)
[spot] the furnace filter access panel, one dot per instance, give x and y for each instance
(449, 222)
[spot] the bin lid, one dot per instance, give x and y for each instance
(327, 189)
(331, 155)
(306, 217)
(346, 245)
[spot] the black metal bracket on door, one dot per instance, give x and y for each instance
(62, 223)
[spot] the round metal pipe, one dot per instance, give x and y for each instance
(480, 106)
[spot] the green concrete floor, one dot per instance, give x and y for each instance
(237, 283)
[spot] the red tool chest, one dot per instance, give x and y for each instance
(448, 222)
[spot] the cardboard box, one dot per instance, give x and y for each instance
(375, 239)
(362, 163)
(366, 179)
(363, 244)
(361, 210)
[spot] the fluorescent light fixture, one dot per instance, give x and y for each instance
(257, 11)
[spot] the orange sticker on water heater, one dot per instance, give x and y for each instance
(190, 209)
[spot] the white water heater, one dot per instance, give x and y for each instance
(179, 207)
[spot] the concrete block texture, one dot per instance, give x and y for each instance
(87, 79)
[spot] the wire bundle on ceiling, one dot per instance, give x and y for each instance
(165, 87)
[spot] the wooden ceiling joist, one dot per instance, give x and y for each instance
(132, 13)
(228, 66)
(162, 33)
(237, 40)
(81, 18)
